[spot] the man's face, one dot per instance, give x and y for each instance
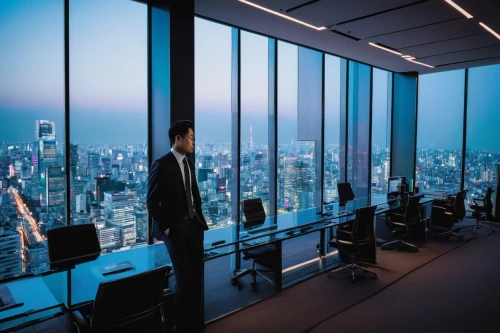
(185, 145)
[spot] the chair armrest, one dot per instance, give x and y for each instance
(478, 201)
(80, 321)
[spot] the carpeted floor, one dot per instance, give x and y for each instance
(446, 280)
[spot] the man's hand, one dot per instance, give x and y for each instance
(167, 231)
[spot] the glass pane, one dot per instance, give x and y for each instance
(213, 55)
(297, 142)
(483, 137)
(358, 128)
(381, 132)
(254, 159)
(440, 131)
(108, 119)
(332, 127)
(32, 129)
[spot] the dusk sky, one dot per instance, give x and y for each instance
(108, 82)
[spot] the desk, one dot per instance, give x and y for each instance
(39, 302)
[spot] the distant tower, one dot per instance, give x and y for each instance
(251, 138)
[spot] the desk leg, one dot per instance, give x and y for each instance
(322, 235)
(278, 278)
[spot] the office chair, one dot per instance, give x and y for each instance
(362, 234)
(130, 304)
(402, 224)
(482, 210)
(255, 216)
(444, 216)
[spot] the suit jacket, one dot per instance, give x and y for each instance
(167, 202)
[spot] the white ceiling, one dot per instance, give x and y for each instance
(430, 30)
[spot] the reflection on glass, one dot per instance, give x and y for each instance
(440, 131)
(332, 128)
(108, 119)
(483, 137)
(213, 55)
(297, 142)
(381, 131)
(358, 127)
(32, 159)
(254, 159)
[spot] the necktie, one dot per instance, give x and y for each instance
(188, 189)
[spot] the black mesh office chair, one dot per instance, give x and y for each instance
(482, 210)
(444, 216)
(130, 304)
(402, 225)
(352, 242)
(263, 255)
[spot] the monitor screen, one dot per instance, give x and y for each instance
(393, 185)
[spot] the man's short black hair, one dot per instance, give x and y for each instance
(180, 127)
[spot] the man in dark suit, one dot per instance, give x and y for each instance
(174, 203)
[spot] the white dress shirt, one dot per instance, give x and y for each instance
(180, 159)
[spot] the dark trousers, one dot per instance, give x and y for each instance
(185, 247)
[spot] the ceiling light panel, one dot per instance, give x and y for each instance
(385, 48)
(281, 15)
(491, 31)
(460, 9)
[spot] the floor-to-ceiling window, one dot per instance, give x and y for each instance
(213, 79)
(32, 133)
(440, 131)
(332, 127)
(381, 131)
(254, 121)
(483, 137)
(108, 120)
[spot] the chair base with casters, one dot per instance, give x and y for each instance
(449, 233)
(260, 255)
(352, 266)
(475, 227)
(399, 243)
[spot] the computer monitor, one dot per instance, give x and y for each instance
(345, 192)
(394, 184)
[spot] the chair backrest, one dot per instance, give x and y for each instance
(488, 204)
(363, 225)
(131, 304)
(345, 192)
(72, 245)
(439, 217)
(459, 206)
(411, 212)
(254, 213)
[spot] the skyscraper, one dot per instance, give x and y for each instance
(119, 213)
(45, 134)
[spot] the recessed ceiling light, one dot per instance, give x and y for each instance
(419, 63)
(460, 9)
(282, 15)
(385, 48)
(489, 29)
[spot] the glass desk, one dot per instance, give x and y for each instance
(36, 297)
